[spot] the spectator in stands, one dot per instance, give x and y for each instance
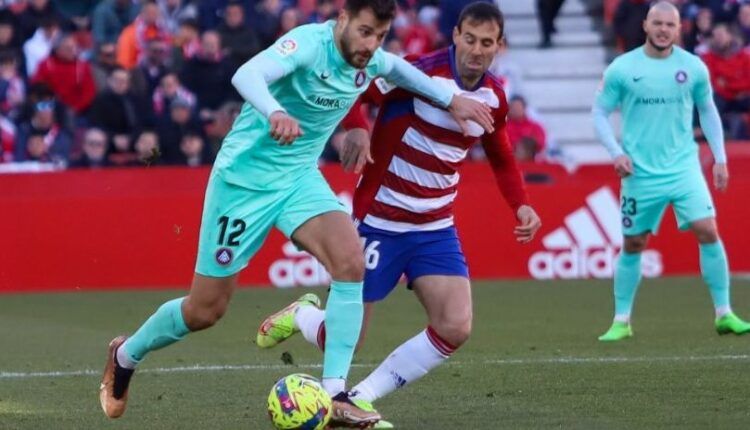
(547, 11)
(419, 36)
(121, 151)
(104, 63)
(7, 140)
(289, 18)
(9, 40)
(723, 10)
(176, 11)
(69, 78)
(151, 69)
(193, 151)
(148, 25)
(238, 39)
(186, 44)
(527, 137)
(208, 75)
(729, 66)
(12, 87)
(628, 23)
(35, 14)
(169, 90)
(324, 10)
(173, 127)
(43, 138)
(147, 150)
(110, 17)
(266, 21)
(696, 41)
(116, 110)
(36, 49)
(743, 23)
(80, 29)
(95, 147)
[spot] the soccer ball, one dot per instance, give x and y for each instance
(298, 401)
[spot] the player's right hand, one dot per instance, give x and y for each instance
(284, 129)
(464, 109)
(623, 166)
(355, 152)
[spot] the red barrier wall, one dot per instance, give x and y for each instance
(139, 228)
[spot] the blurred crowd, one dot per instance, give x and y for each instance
(719, 32)
(135, 82)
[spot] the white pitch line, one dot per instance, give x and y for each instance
(198, 368)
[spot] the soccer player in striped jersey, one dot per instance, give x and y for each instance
(404, 203)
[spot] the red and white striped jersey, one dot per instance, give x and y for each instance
(418, 149)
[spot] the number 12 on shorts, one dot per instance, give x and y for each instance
(238, 227)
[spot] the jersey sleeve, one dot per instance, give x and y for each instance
(610, 92)
(298, 48)
(702, 91)
(503, 162)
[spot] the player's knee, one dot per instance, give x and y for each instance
(203, 317)
(635, 244)
(348, 268)
(706, 234)
(455, 331)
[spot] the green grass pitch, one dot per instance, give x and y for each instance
(533, 362)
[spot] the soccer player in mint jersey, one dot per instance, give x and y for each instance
(657, 87)
(266, 176)
(404, 205)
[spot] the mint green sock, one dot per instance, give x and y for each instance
(627, 278)
(344, 313)
(715, 271)
(165, 327)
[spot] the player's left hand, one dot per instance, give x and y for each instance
(529, 224)
(721, 176)
(464, 109)
(355, 152)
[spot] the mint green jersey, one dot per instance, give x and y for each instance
(657, 99)
(318, 89)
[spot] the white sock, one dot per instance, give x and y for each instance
(308, 320)
(123, 359)
(334, 385)
(622, 318)
(723, 310)
(407, 363)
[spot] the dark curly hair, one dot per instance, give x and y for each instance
(384, 10)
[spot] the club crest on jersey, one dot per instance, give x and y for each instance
(286, 47)
(360, 78)
(680, 76)
(627, 222)
(224, 256)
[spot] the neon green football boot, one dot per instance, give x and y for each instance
(731, 323)
(618, 331)
(280, 326)
(367, 406)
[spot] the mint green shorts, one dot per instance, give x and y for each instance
(237, 220)
(643, 201)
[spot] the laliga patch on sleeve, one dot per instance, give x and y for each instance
(286, 47)
(384, 86)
